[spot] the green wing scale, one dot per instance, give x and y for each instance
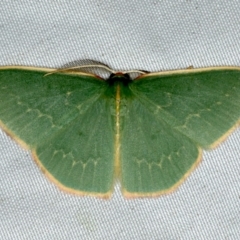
(85, 132)
(179, 113)
(65, 122)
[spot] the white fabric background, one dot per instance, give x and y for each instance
(152, 35)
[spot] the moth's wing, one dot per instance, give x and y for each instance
(66, 122)
(203, 105)
(168, 120)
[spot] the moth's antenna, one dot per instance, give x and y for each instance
(94, 66)
(79, 67)
(136, 71)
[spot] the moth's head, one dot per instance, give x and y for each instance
(124, 78)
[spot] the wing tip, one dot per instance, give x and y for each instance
(13, 136)
(225, 135)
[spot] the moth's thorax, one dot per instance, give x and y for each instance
(119, 85)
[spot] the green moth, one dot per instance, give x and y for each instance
(85, 132)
